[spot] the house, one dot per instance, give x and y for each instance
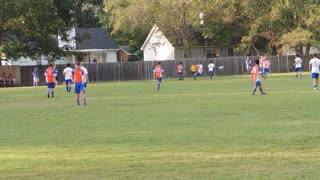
(158, 48)
(94, 43)
(125, 55)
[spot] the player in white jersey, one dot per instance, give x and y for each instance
(211, 69)
(68, 77)
(314, 70)
(298, 66)
(85, 78)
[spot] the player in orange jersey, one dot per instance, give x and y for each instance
(50, 79)
(157, 73)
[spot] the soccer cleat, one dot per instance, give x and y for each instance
(84, 104)
(48, 96)
(263, 93)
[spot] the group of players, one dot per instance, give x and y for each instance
(78, 75)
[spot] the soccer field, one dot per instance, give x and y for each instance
(189, 129)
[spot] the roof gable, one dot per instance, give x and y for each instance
(94, 38)
(155, 38)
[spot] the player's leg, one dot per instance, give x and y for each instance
(158, 83)
(77, 88)
(300, 74)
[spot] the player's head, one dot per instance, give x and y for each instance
(50, 64)
(68, 64)
(54, 65)
(315, 55)
(82, 63)
(77, 65)
(159, 63)
(211, 61)
(35, 68)
(297, 55)
(180, 62)
(257, 61)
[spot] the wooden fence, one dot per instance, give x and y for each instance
(141, 70)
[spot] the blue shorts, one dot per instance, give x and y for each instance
(257, 83)
(198, 74)
(266, 70)
(210, 73)
(180, 73)
(68, 81)
(51, 85)
(159, 79)
(78, 88)
(314, 75)
(298, 69)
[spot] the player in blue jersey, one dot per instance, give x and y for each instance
(35, 75)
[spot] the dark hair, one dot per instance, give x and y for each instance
(68, 64)
(211, 61)
(257, 61)
(77, 63)
(159, 63)
(297, 55)
(315, 55)
(50, 65)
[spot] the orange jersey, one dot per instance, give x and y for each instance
(49, 73)
(255, 73)
(179, 68)
(77, 75)
(158, 71)
(266, 64)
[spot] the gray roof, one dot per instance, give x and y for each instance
(94, 38)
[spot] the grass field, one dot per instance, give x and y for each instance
(189, 130)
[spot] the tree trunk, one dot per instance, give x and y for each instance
(307, 49)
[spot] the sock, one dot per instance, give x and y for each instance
(52, 94)
(78, 101)
(296, 76)
(261, 90)
(84, 100)
(254, 91)
(70, 89)
(48, 92)
(158, 86)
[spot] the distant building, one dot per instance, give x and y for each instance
(95, 43)
(158, 48)
(124, 54)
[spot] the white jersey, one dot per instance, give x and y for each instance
(67, 73)
(211, 66)
(200, 70)
(315, 63)
(298, 62)
(85, 73)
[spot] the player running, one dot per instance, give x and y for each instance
(50, 79)
(314, 70)
(298, 66)
(180, 71)
(256, 72)
(157, 73)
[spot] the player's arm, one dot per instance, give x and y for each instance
(309, 67)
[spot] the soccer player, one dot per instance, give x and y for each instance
(314, 70)
(256, 72)
(157, 73)
(50, 79)
(266, 66)
(55, 74)
(248, 64)
(298, 65)
(199, 71)
(68, 77)
(180, 71)
(78, 84)
(85, 78)
(210, 69)
(35, 75)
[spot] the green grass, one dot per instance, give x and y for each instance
(189, 130)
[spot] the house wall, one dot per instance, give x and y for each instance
(158, 48)
(112, 56)
(201, 52)
(122, 56)
(72, 42)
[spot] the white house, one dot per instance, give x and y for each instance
(95, 43)
(158, 48)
